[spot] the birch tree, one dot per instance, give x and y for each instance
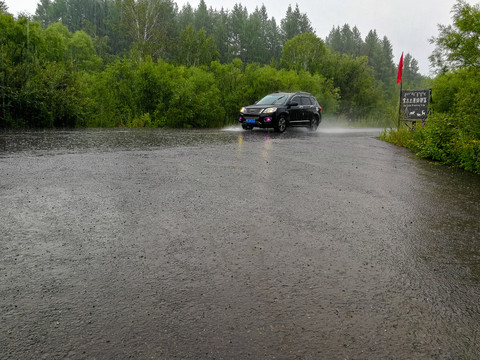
(148, 23)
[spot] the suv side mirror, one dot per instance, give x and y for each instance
(293, 104)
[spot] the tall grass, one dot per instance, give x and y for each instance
(401, 137)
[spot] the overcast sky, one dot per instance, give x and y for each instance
(408, 24)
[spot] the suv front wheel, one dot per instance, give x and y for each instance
(281, 125)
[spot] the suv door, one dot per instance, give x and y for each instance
(307, 110)
(295, 110)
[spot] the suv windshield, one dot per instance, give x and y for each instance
(273, 99)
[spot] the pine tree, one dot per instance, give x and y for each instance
(295, 23)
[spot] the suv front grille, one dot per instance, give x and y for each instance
(253, 111)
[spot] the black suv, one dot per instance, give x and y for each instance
(280, 109)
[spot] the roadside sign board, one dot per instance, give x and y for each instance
(414, 104)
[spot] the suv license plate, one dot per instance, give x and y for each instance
(250, 121)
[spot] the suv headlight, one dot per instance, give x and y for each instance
(242, 110)
(269, 110)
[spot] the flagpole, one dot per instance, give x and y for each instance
(399, 80)
(400, 105)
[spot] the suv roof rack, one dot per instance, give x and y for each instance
(302, 92)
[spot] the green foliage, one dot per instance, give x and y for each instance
(237, 33)
(152, 94)
(229, 79)
(202, 19)
(346, 40)
(444, 141)
(50, 98)
(458, 93)
(81, 51)
(411, 77)
(147, 22)
(295, 23)
(194, 101)
(458, 46)
(128, 90)
(195, 49)
(267, 41)
(468, 153)
(437, 139)
(113, 95)
(304, 52)
(143, 121)
(359, 92)
(153, 27)
(55, 43)
(39, 84)
(3, 7)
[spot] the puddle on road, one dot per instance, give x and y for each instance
(40, 142)
(72, 141)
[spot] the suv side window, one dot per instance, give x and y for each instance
(296, 99)
(306, 100)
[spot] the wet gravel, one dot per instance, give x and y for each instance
(234, 245)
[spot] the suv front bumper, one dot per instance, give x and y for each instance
(257, 121)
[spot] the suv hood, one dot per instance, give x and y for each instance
(255, 106)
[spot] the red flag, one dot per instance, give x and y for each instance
(400, 69)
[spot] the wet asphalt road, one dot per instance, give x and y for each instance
(234, 245)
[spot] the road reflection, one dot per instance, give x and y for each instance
(267, 147)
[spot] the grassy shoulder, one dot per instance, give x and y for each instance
(442, 138)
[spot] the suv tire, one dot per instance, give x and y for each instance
(314, 124)
(281, 125)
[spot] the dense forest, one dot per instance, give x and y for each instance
(451, 134)
(147, 63)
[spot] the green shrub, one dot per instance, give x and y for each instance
(440, 139)
(437, 139)
(469, 154)
(143, 121)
